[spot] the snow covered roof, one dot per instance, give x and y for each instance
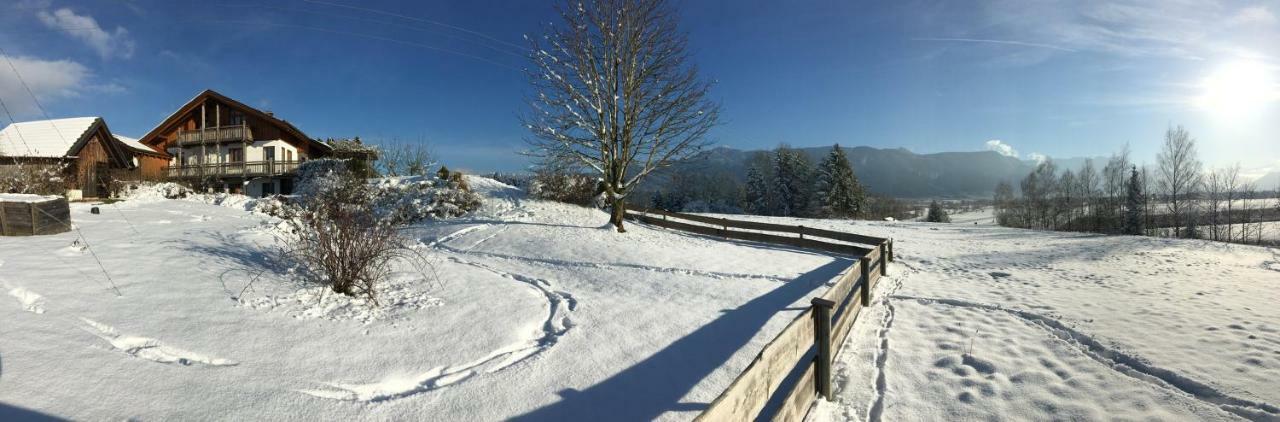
(43, 138)
(134, 144)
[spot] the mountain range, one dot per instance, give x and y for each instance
(897, 172)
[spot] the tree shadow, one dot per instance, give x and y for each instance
(656, 384)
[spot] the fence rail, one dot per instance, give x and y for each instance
(812, 340)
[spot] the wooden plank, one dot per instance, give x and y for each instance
(845, 324)
(742, 400)
(749, 236)
(842, 236)
(755, 225)
(799, 399)
(845, 284)
(748, 394)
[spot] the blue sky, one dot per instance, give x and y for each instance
(1058, 78)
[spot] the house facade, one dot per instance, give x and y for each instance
(224, 145)
(82, 150)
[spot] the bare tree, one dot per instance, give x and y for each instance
(1115, 178)
(1088, 179)
(1180, 172)
(614, 92)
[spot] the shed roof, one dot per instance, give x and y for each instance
(44, 138)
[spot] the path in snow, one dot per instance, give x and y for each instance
(149, 348)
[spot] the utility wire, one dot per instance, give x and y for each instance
(412, 18)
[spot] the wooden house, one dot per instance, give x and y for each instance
(88, 153)
(219, 143)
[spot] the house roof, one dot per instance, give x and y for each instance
(44, 138)
(150, 137)
(136, 146)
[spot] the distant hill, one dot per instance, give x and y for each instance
(897, 172)
(1269, 181)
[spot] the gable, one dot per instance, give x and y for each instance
(213, 109)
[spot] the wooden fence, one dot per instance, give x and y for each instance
(812, 340)
(34, 218)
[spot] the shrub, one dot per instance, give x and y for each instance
(42, 179)
(564, 186)
(339, 236)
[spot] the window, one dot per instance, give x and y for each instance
(237, 155)
(236, 119)
(269, 153)
(288, 155)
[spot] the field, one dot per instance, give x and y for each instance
(536, 311)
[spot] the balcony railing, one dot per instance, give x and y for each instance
(241, 169)
(214, 135)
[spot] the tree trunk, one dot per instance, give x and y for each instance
(619, 211)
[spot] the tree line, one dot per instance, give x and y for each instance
(1177, 197)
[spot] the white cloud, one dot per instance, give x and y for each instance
(1258, 15)
(49, 80)
(85, 28)
(1002, 148)
(1037, 157)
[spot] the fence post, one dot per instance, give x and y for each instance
(891, 249)
(801, 231)
(884, 259)
(34, 222)
(822, 338)
(865, 264)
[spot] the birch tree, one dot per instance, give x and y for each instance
(614, 92)
(1180, 172)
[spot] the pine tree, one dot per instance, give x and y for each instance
(756, 199)
(838, 190)
(1134, 206)
(791, 182)
(937, 214)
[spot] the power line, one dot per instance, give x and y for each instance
(417, 19)
(33, 97)
(10, 114)
(519, 54)
(370, 36)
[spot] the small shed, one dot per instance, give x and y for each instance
(30, 215)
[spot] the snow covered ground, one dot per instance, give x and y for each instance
(532, 310)
(995, 323)
(535, 311)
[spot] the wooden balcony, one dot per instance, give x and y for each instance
(241, 169)
(214, 135)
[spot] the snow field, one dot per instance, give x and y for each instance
(532, 306)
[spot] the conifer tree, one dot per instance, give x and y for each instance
(791, 182)
(838, 190)
(937, 214)
(757, 192)
(1134, 205)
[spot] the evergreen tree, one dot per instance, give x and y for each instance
(937, 214)
(791, 182)
(756, 199)
(838, 189)
(1134, 206)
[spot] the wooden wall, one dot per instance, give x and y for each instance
(30, 219)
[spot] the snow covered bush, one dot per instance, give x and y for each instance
(411, 199)
(41, 179)
(564, 186)
(341, 236)
(154, 191)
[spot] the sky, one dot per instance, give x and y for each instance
(1026, 78)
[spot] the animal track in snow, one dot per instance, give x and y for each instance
(151, 349)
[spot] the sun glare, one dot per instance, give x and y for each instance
(1237, 88)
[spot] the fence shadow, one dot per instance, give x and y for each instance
(656, 384)
(15, 413)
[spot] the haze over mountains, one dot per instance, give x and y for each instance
(899, 172)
